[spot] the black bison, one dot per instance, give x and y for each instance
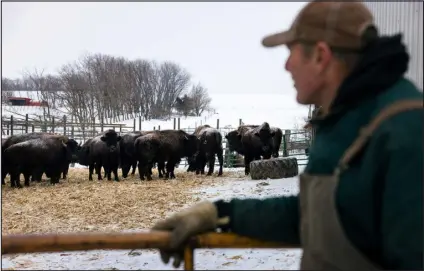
(252, 143)
(276, 139)
(102, 151)
(163, 146)
(128, 157)
(127, 152)
(22, 138)
(210, 143)
(49, 154)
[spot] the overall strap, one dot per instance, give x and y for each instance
(366, 132)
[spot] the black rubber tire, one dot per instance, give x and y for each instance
(274, 168)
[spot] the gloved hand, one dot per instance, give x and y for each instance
(201, 217)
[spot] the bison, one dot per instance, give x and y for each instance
(128, 157)
(102, 151)
(22, 138)
(47, 154)
(210, 143)
(252, 143)
(277, 139)
(163, 146)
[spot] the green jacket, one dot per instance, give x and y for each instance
(379, 198)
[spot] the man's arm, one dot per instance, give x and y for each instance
(402, 195)
(272, 219)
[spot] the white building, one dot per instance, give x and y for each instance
(405, 18)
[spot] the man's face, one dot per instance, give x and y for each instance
(307, 71)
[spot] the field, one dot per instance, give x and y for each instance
(77, 205)
(97, 205)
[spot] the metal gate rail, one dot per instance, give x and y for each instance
(33, 243)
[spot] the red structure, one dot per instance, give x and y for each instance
(20, 101)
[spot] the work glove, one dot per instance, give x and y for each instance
(201, 217)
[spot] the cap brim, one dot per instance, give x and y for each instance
(278, 39)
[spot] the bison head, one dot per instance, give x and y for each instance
(83, 155)
(71, 147)
(190, 145)
(111, 138)
(191, 163)
(234, 141)
(266, 134)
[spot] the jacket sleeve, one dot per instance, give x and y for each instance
(272, 219)
(402, 196)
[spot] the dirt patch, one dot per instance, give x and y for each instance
(80, 205)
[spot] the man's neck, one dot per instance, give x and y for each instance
(329, 93)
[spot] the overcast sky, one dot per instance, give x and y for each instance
(218, 43)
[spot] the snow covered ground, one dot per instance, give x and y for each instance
(205, 259)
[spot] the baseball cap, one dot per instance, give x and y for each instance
(339, 24)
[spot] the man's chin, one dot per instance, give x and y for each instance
(303, 100)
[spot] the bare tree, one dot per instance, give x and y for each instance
(5, 95)
(112, 88)
(200, 99)
(184, 105)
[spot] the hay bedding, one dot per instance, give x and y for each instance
(77, 204)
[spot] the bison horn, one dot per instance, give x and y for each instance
(63, 143)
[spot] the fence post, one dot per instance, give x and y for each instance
(159, 127)
(94, 126)
(139, 123)
(175, 123)
(286, 139)
(217, 123)
(240, 122)
(11, 125)
(64, 125)
(53, 124)
(33, 128)
(7, 127)
(178, 123)
(72, 126)
(26, 123)
(101, 125)
(154, 128)
(134, 124)
(120, 128)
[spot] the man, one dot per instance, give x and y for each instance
(360, 201)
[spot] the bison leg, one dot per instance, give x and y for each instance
(148, 171)
(15, 180)
(90, 172)
(220, 160)
(247, 160)
(172, 174)
(115, 174)
(26, 177)
(134, 166)
(36, 176)
(108, 173)
(211, 160)
(170, 166)
(161, 169)
(99, 171)
(54, 179)
(65, 171)
(141, 170)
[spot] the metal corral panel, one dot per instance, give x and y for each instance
(407, 18)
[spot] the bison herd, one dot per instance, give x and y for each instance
(33, 154)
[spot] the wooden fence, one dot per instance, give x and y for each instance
(293, 144)
(45, 243)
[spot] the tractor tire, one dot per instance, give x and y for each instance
(274, 168)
